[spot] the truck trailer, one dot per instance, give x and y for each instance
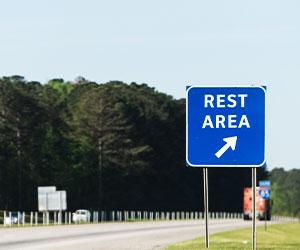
(263, 208)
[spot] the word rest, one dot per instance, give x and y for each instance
(222, 121)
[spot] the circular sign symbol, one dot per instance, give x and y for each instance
(265, 193)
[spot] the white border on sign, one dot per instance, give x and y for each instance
(186, 124)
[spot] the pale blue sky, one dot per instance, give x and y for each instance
(167, 44)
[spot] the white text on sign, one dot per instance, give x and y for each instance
(225, 101)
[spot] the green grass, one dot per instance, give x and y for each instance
(281, 236)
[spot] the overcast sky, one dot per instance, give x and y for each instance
(167, 44)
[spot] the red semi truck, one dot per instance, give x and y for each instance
(263, 208)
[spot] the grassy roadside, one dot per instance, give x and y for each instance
(281, 236)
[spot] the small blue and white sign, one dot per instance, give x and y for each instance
(264, 183)
(265, 193)
(225, 126)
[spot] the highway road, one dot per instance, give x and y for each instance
(111, 236)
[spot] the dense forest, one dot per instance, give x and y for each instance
(110, 146)
(286, 191)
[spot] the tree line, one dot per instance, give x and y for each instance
(285, 191)
(110, 146)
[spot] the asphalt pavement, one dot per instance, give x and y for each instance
(111, 236)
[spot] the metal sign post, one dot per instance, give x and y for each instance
(205, 189)
(265, 217)
(265, 192)
(253, 208)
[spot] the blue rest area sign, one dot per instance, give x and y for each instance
(225, 126)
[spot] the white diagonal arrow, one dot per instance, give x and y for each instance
(230, 143)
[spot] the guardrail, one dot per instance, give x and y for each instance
(65, 217)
